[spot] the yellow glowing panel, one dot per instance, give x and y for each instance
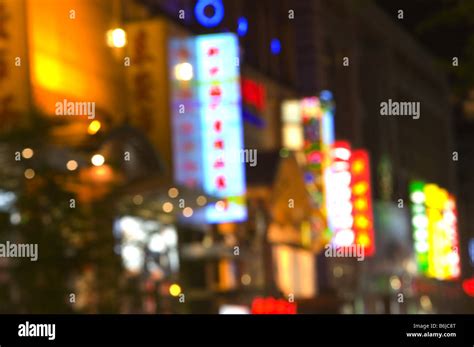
(226, 275)
(435, 196)
(293, 136)
(69, 57)
(295, 271)
(14, 85)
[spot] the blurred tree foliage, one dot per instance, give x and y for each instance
(71, 242)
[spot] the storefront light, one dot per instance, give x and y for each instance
(173, 193)
(157, 243)
(116, 38)
(425, 303)
(29, 174)
(170, 236)
(71, 165)
(246, 279)
(184, 72)
(97, 160)
(395, 283)
(175, 290)
(188, 212)
(201, 200)
(27, 153)
(133, 258)
(168, 207)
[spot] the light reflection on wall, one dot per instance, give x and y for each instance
(68, 56)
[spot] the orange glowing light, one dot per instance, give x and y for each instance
(358, 167)
(360, 188)
(362, 200)
(363, 240)
(94, 127)
(361, 222)
(361, 204)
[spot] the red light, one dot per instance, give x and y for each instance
(213, 51)
(215, 91)
(272, 306)
(253, 94)
(468, 286)
(221, 182)
(219, 144)
(218, 126)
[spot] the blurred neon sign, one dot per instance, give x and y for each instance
(339, 196)
(308, 126)
(362, 201)
(349, 198)
(468, 286)
(272, 306)
(212, 20)
(254, 94)
(471, 250)
(435, 234)
(213, 127)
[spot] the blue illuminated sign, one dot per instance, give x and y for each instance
(275, 46)
(222, 132)
(208, 137)
(213, 20)
(471, 250)
(242, 26)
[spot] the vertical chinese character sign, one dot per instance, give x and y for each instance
(14, 88)
(146, 81)
(186, 122)
(207, 84)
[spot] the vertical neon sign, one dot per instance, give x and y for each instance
(434, 220)
(207, 124)
(339, 196)
(186, 124)
(420, 224)
(362, 201)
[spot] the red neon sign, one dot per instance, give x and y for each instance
(272, 306)
(362, 201)
(468, 286)
(254, 94)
